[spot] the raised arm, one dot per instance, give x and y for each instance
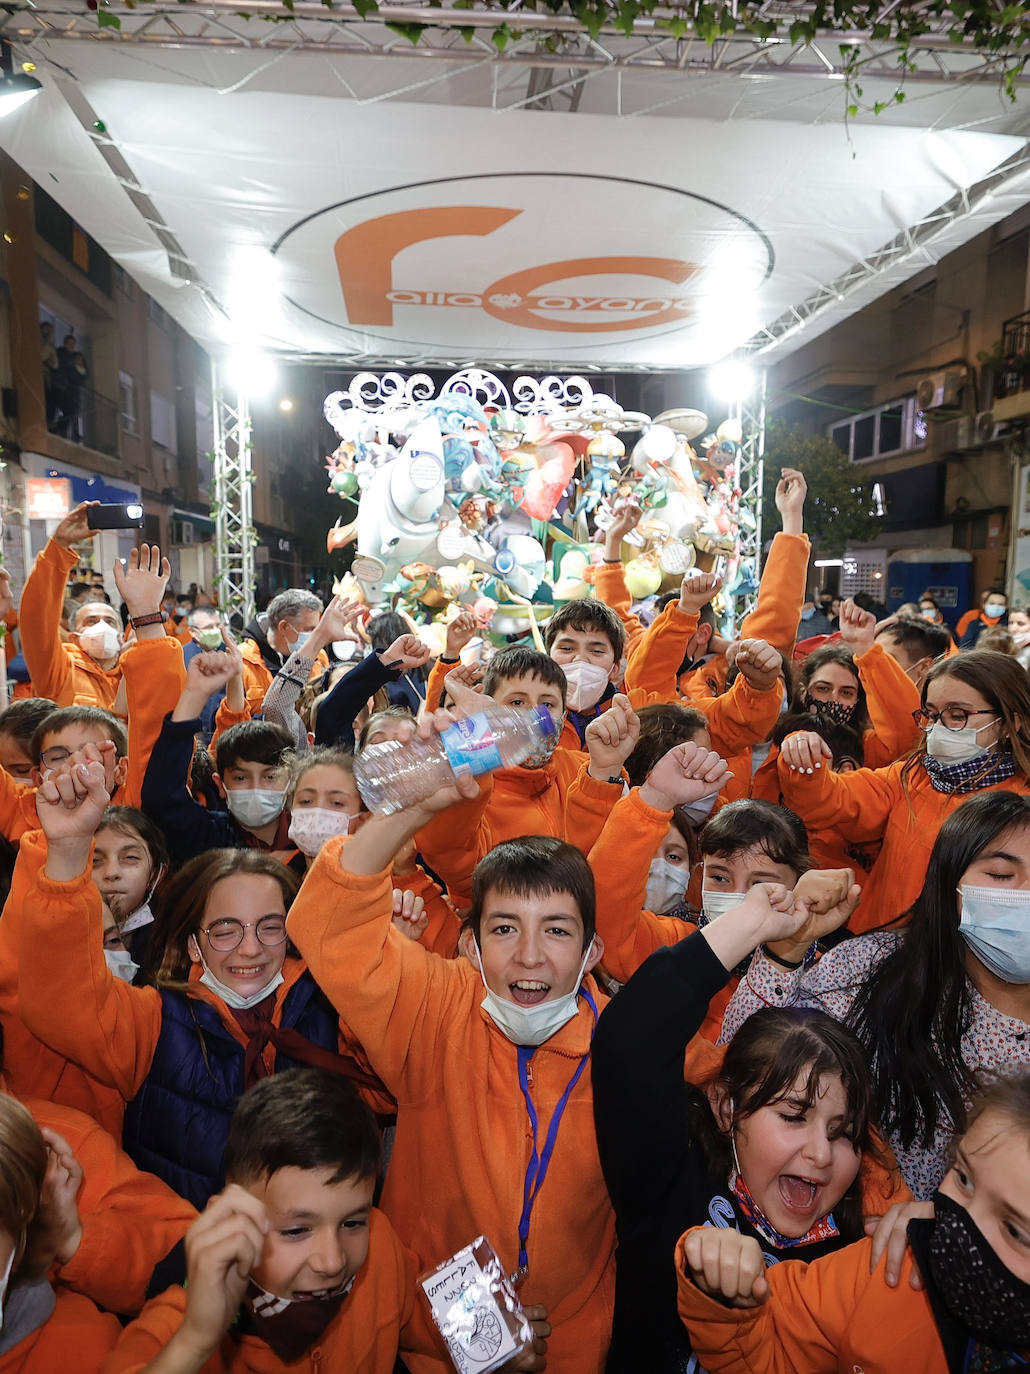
(856, 804)
(338, 712)
(750, 707)
(70, 999)
(42, 600)
(392, 993)
(281, 698)
(891, 695)
(610, 577)
(654, 664)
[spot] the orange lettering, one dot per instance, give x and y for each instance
(521, 283)
(365, 254)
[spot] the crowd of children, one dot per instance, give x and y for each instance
(710, 1017)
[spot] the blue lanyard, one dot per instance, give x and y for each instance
(540, 1161)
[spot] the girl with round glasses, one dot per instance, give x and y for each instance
(975, 718)
(229, 999)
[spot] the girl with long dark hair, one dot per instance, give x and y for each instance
(936, 999)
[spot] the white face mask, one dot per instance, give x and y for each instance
(346, 649)
(311, 826)
(142, 916)
(697, 812)
(716, 904)
(119, 961)
(586, 684)
(666, 886)
(233, 998)
(531, 1025)
(255, 807)
(955, 746)
(100, 641)
(995, 924)
(995, 609)
(302, 638)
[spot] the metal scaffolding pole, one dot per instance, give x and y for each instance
(235, 536)
(751, 412)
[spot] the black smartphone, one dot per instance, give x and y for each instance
(115, 516)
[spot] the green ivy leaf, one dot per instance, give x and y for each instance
(365, 7)
(801, 31)
(500, 37)
(899, 97)
(852, 111)
(107, 20)
(412, 32)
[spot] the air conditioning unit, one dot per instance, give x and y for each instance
(940, 390)
(183, 532)
(966, 432)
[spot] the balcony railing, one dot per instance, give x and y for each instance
(91, 420)
(1012, 373)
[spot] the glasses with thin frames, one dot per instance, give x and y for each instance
(227, 933)
(952, 717)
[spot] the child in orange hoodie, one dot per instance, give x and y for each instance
(291, 1267)
(971, 1312)
(557, 791)
(40, 1331)
(494, 1127)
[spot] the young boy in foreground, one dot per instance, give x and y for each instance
(483, 1084)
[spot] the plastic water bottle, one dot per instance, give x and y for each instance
(394, 774)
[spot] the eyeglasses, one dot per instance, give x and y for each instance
(952, 717)
(226, 934)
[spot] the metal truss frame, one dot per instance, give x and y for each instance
(750, 410)
(233, 493)
(456, 39)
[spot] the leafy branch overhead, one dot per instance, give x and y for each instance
(839, 507)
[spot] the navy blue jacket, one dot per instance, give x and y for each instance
(177, 1124)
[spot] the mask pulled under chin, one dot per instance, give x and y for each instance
(531, 1025)
(824, 1228)
(230, 996)
(100, 642)
(312, 826)
(586, 684)
(291, 1326)
(255, 807)
(977, 1288)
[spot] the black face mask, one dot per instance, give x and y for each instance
(975, 1286)
(836, 710)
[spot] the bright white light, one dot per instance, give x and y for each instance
(286, 405)
(250, 372)
(253, 300)
(731, 381)
(11, 100)
(829, 562)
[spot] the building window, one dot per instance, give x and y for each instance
(162, 422)
(122, 280)
(894, 427)
(156, 313)
(127, 394)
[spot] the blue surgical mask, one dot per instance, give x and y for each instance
(254, 807)
(808, 614)
(995, 924)
(995, 609)
(302, 638)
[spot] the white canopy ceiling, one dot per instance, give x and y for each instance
(260, 200)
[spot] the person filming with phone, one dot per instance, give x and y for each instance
(85, 671)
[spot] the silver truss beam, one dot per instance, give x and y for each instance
(235, 536)
(904, 245)
(751, 413)
(310, 28)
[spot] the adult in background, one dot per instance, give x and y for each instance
(993, 611)
(273, 635)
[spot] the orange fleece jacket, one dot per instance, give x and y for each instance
(59, 671)
(463, 1135)
(32, 1068)
(73, 1340)
(154, 678)
(74, 1002)
(872, 804)
(130, 1219)
(829, 1317)
(559, 799)
(362, 1338)
(610, 587)
(257, 678)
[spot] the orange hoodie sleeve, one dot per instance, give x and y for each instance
(856, 804)
(620, 861)
(397, 997)
(434, 683)
(588, 804)
(781, 593)
(891, 697)
(225, 719)
(742, 716)
(42, 600)
(154, 676)
(70, 998)
(130, 1219)
(455, 840)
(654, 664)
(610, 587)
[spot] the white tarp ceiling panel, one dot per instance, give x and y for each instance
(425, 232)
